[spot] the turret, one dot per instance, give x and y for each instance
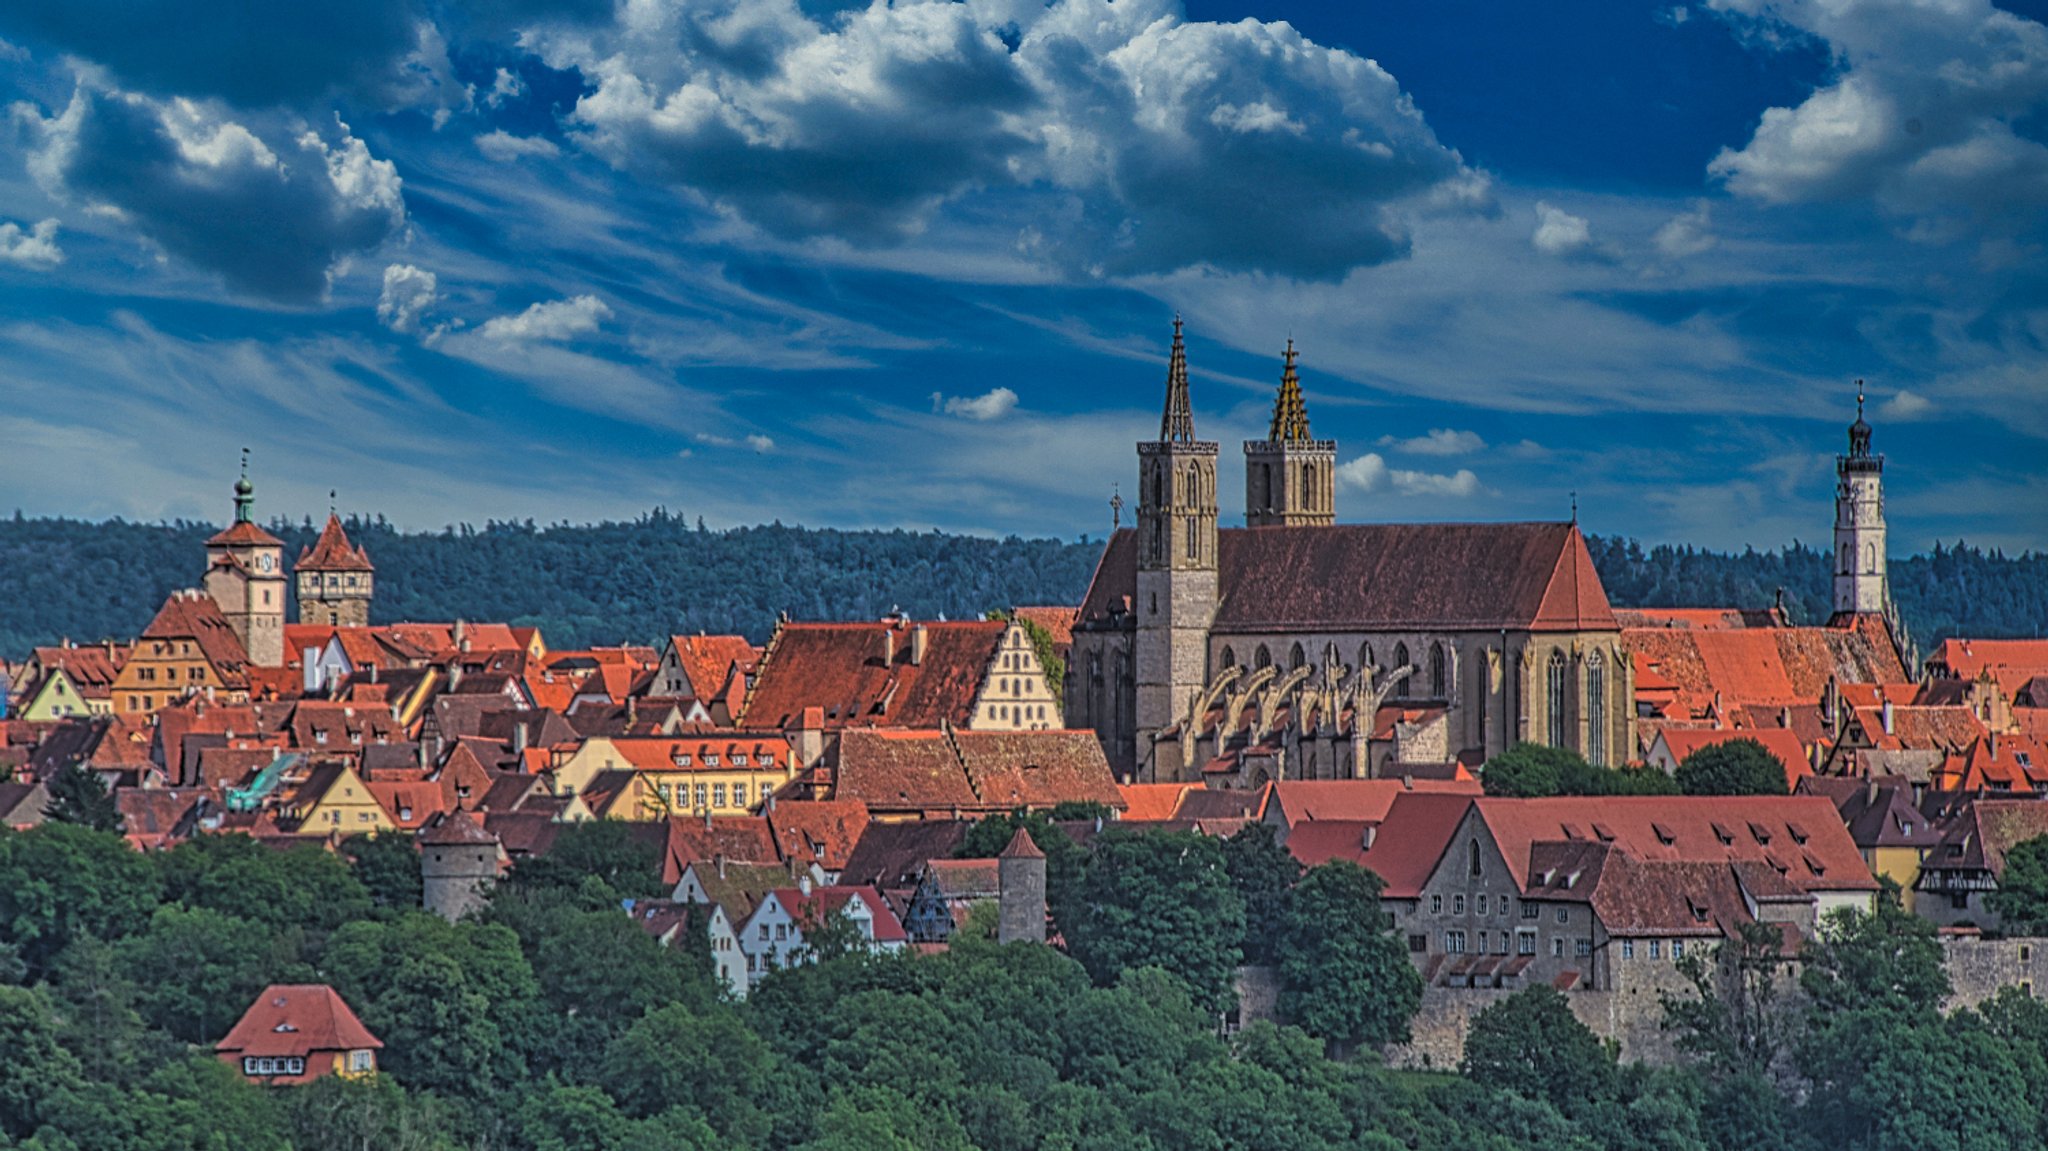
(1860, 586)
(1020, 891)
(245, 576)
(458, 865)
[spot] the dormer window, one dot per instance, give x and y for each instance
(1760, 832)
(1726, 837)
(710, 761)
(1664, 834)
(739, 761)
(681, 760)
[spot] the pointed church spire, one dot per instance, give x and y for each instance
(1290, 414)
(1178, 423)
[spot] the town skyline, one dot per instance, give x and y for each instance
(469, 270)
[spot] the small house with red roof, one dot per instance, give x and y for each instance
(299, 1032)
(773, 937)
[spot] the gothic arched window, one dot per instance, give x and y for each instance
(1596, 710)
(1472, 858)
(1870, 558)
(1264, 658)
(1296, 658)
(1401, 661)
(1438, 688)
(1229, 658)
(1554, 686)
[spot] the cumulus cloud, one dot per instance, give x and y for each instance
(1439, 442)
(408, 293)
(552, 320)
(996, 403)
(761, 444)
(33, 247)
(1918, 119)
(1686, 234)
(272, 217)
(1142, 143)
(1906, 406)
(504, 147)
(1370, 473)
(1558, 232)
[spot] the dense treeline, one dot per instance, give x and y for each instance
(552, 1022)
(634, 582)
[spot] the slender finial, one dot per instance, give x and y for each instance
(1116, 507)
(1859, 399)
(245, 494)
(1177, 425)
(1575, 507)
(330, 502)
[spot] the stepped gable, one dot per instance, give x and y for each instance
(333, 552)
(865, 674)
(1385, 577)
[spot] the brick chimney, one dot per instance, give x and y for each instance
(919, 640)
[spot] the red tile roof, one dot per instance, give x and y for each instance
(1153, 801)
(705, 660)
(819, 901)
(91, 669)
(972, 771)
(1357, 800)
(242, 533)
(824, 831)
(1384, 577)
(1965, 658)
(1780, 742)
(1757, 667)
(761, 750)
(195, 616)
(840, 667)
(1058, 622)
(296, 1019)
(333, 552)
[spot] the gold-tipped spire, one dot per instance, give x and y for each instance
(1177, 425)
(1290, 414)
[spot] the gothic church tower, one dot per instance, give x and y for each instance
(1176, 586)
(245, 576)
(1859, 523)
(1290, 477)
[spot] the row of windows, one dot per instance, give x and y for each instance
(1481, 904)
(739, 759)
(1656, 949)
(711, 795)
(1034, 712)
(267, 1065)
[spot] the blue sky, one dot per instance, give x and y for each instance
(916, 264)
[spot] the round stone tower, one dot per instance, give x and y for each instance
(458, 865)
(1020, 886)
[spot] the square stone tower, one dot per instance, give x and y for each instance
(1290, 477)
(1176, 585)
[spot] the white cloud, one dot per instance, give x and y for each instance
(1686, 234)
(272, 217)
(762, 445)
(1906, 406)
(506, 86)
(1558, 232)
(1439, 442)
(407, 294)
(504, 147)
(1918, 118)
(1140, 142)
(34, 247)
(553, 320)
(998, 402)
(1370, 473)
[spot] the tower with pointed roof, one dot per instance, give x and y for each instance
(1859, 523)
(1177, 560)
(245, 576)
(1290, 477)
(335, 580)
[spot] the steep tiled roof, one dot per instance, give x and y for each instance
(193, 615)
(1058, 622)
(91, 669)
(890, 855)
(819, 901)
(705, 659)
(1877, 812)
(724, 750)
(1780, 742)
(455, 829)
(1801, 836)
(1965, 658)
(824, 831)
(333, 552)
(745, 838)
(901, 771)
(408, 804)
(1383, 577)
(1920, 728)
(1757, 667)
(840, 667)
(1980, 837)
(243, 533)
(963, 878)
(1406, 845)
(1153, 801)
(1366, 800)
(738, 887)
(296, 1019)
(931, 771)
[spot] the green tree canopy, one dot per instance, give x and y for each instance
(62, 881)
(2021, 901)
(1732, 767)
(1264, 873)
(1533, 771)
(1531, 1043)
(78, 795)
(1344, 974)
(299, 886)
(1159, 899)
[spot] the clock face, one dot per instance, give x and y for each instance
(265, 562)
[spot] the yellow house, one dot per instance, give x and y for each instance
(334, 800)
(649, 777)
(188, 648)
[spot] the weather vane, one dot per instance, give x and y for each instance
(1116, 507)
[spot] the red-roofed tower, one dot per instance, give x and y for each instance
(1177, 564)
(335, 580)
(245, 576)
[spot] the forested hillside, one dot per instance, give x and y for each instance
(620, 582)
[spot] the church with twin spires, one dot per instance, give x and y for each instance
(1297, 647)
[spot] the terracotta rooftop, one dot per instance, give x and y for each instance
(821, 831)
(705, 660)
(91, 668)
(296, 1019)
(1366, 800)
(243, 533)
(890, 855)
(841, 668)
(972, 771)
(1783, 744)
(818, 901)
(1385, 577)
(333, 552)
(193, 615)
(1058, 622)
(1759, 667)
